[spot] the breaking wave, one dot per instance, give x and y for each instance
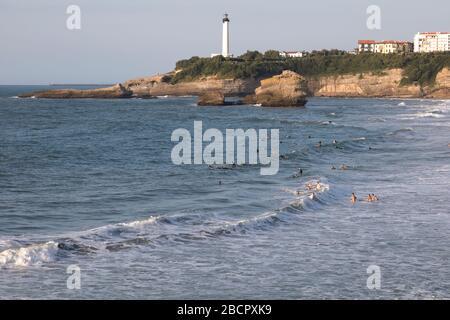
(30, 255)
(159, 230)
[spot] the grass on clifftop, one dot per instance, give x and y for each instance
(418, 68)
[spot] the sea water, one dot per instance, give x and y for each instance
(91, 183)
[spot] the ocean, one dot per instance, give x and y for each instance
(91, 184)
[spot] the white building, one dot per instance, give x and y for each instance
(292, 54)
(432, 41)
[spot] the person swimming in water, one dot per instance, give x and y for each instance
(354, 198)
(344, 167)
(372, 198)
(319, 144)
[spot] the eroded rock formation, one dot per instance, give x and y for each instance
(288, 89)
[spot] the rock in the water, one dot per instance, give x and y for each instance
(285, 90)
(211, 98)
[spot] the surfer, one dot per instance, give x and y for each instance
(344, 167)
(319, 144)
(354, 198)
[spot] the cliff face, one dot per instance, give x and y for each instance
(441, 89)
(386, 84)
(160, 86)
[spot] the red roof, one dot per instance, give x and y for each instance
(394, 42)
(432, 33)
(382, 42)
(366, 41)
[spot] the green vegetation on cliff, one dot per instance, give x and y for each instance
(418, 68)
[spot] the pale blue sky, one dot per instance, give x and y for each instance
(123, 39)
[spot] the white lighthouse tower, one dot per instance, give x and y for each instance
(226, 37)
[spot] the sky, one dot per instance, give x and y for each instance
(125, 39)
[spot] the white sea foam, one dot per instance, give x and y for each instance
(30, 255)
(139, 223)
(117, 228)
(402, 104)
(429, 115)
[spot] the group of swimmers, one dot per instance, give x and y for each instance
(314, 186)
(319, 144)
(370, 198)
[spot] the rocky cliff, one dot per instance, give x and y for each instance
(161, 85)
(441, 89)
(386, 84)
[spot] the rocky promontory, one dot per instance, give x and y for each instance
(114, 92)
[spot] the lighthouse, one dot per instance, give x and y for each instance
(226, 36)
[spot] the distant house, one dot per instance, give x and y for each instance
(385, 47)
(394, 46)
(292, 54)
(432, 42)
